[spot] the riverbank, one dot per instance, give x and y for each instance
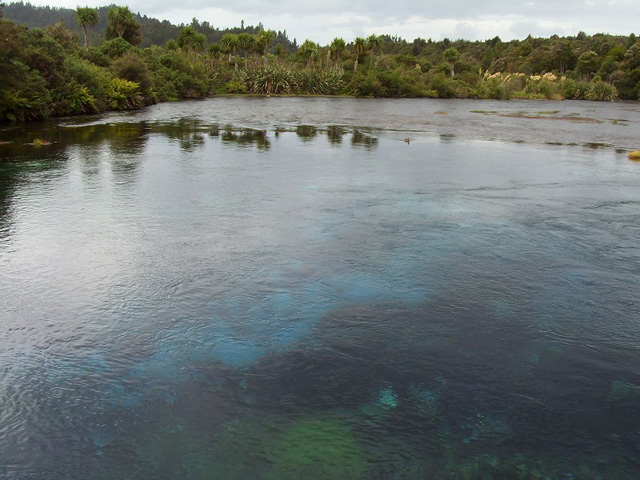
(47, 74)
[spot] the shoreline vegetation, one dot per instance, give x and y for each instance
(109, 58)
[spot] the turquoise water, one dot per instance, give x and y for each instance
(239, 288)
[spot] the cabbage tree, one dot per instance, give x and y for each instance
(87, 18)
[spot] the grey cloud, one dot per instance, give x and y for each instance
(379, 10)
(454, 18)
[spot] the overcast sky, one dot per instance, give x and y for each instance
(468, 19)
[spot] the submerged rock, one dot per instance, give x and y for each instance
(485, 429)
(427, 400)
(387, 398)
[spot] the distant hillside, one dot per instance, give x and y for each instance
(154, 31)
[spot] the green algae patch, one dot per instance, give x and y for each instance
(597, 145)
(320, 449)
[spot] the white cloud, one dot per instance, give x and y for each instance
(469, 19)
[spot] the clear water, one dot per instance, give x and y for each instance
(284, 288)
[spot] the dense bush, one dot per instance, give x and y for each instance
(271, 80)
(131, 67)
(601, 91)
(447, 87)
(124, 95)
(46, 72)
(115, 47)
(573, 89)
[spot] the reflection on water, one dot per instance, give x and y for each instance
(335, 134)
(361, 138)
(192, 299)
(247, 137)
(306, 132)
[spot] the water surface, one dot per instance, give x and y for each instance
(284, 288)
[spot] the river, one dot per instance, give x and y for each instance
(287, 288)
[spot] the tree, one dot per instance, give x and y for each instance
(214, 50)
(190, 40)
(247, 43)
(199, 41)
(451, 55)
(229, 43)
(373, 42)
(87, 18)
(336, 49)
(2, 6)
(587, 63)
(562, 57)
(65, 37)
(280, 52)
(359, 45)
(263, 43)
(310, 50)
(122, 23)
(607, 67)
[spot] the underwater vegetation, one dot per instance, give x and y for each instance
(322, 449)
(622, 390)
(312, 447)
(486, 467)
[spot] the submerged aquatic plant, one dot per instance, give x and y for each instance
(319, 449)
(482, 467)
(621, 389)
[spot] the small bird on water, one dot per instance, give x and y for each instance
(407, 140)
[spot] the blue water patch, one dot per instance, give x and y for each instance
(102, 435)
(123, 394)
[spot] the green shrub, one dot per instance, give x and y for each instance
(541, 86)
(28, 99)
(364, 85)
(175, 76)
(116, 47)
(492, 88)
(272, 80)
(65, 37)
(95, 56)
(319, 82)
(235, 86)
(75, 99)
(96, 79)
(447, 87)
(573, 89)
(601, 91)
(131, 67)
(124, 95)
